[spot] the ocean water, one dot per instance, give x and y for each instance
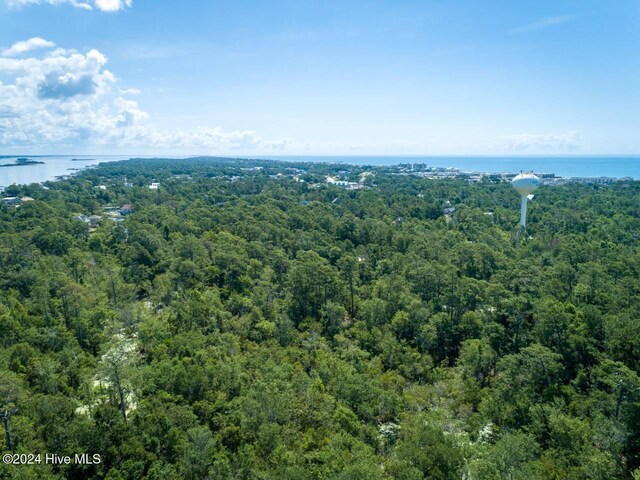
(566, 166)
(53, 167)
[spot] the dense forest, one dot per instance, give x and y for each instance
(247, 320)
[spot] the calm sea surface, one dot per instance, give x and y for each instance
(53, 167)
(569, 166)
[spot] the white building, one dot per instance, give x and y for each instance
(343, 183)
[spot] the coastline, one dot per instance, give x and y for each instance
(60, 167)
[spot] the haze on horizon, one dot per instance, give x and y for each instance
(319, 78)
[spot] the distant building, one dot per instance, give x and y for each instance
(497, 177)
(94, 220)
(11, 201)
(343, 183)
(593, 180)
(154, 186)
(126, 209)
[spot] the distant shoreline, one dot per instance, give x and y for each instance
(563, 166)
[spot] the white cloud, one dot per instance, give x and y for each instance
(65, 99)
(26, 46)
(533, 142)
(130, 91)
(112, 5)
(103, 5)
(543, 23)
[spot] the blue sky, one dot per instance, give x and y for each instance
(319, 77)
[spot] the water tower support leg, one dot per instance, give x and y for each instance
(523, 212)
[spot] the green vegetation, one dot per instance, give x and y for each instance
(242, 325)
(20, 162)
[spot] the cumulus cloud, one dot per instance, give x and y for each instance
(26, 46)
(103, 5)
(64, 98)
(541, 142)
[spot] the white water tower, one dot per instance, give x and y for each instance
(525, 184)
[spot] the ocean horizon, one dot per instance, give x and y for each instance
(617, 166)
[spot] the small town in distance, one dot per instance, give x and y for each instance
(546, 178)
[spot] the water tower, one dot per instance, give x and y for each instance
(525, 184)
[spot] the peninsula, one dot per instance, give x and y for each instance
(20, 162)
